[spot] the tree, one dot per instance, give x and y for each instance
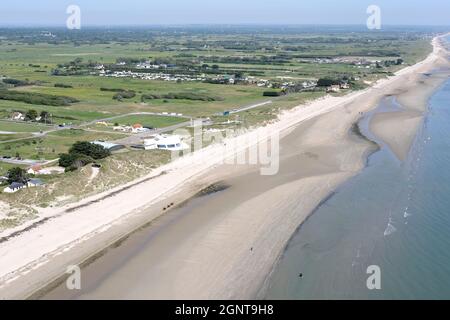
(31, 115)
(81, 161)
(45, 116)
(81, 154)
(74, 161)
(325, 82)
(17, 174)
(239, 75)
(67, 159)
(89, 149)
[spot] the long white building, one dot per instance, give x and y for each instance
(165, 142)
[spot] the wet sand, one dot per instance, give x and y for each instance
(398, 129)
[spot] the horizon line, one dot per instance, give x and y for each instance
(21, 25)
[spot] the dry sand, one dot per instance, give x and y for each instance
(210, 260)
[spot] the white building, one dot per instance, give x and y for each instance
(165, 142)
(345, 86)
(334, 88)
(140, 130)
(16, 186)
(123, 128)
(108, 145)
(19, 116)
(38, 170)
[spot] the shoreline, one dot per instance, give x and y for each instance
(382, 218)
(288, 120)
(368, 134)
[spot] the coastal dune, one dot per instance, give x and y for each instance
(228, 252)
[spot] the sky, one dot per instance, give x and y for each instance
(156, 12)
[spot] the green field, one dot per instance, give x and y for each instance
(53, 144)
(34, 62)
(95, 104)
(9, 137)
(4, 167)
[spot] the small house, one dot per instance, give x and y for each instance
(334, 88)
(123, 128)
(18, 116)
(138, 128)
(35, 183)
(14, 187)
(36, 169)
(345, 85)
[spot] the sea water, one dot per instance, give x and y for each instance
(394, 215)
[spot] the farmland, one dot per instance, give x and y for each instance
(273, 56)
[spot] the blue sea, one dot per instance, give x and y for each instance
(394, 215)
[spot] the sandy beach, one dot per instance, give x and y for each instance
(227, 254)
(413, 97)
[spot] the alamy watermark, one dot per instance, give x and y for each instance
(374, 20)
(374, 280)
(73, 282)
(74, 19)
(233, 147)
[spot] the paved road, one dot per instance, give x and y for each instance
(53, 128)
(136, 138)
(27, 162)
(252, 106)
(130, 114)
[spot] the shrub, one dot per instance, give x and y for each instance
(31, 115)
(272, 93)
(62, 85)
(92, 150)
(36, 98)
(16, 82)
(112, 89)
(17, 174)
(124, 95)
(181, 96)
(74, 161)
(81, 154)
(325, 82)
